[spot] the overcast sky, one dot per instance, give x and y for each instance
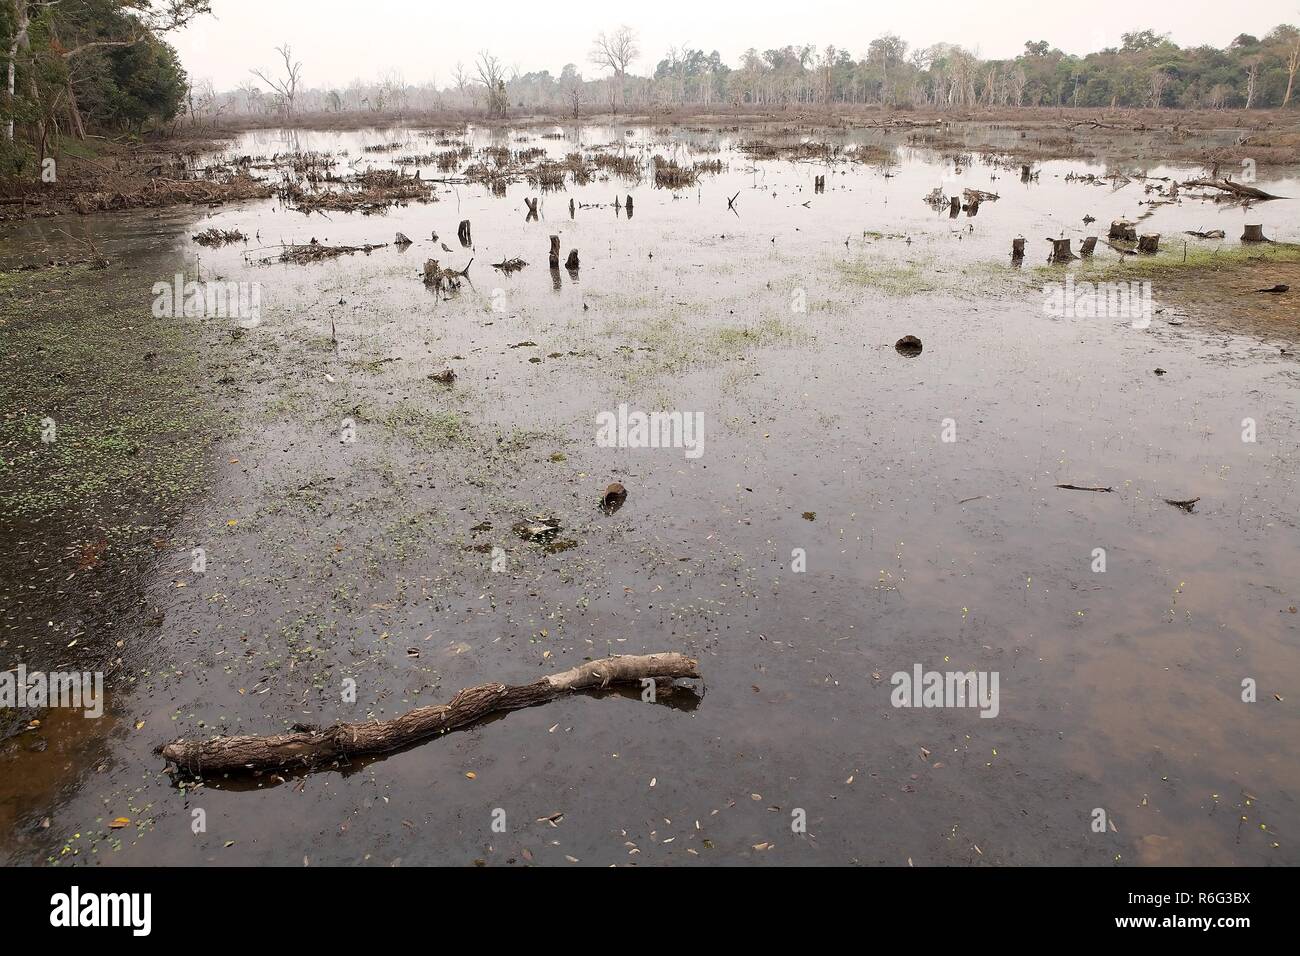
(338, 41)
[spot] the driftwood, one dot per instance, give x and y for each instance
(1084, 488)
(314, 748)
(1236, 189)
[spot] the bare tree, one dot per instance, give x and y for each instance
(1159, 80)
(1252, 78)
(287, 87)
(492, 75)
(616, 52)
(1292, 63)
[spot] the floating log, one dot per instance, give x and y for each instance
(463, 233)
(572, 262)
(1254, 233)
(310, 749)
(1089, 243)
(555, 252)
(1061, 251)
(1149, 243)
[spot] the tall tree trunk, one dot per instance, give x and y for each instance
(19, 42)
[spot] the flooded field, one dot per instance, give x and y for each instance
(246, 515)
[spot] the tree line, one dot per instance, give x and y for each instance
(74, 65)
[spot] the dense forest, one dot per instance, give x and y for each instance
(73, 65)
(105, 65)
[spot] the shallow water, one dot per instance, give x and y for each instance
(1119, 690)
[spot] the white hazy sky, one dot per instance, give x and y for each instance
(338, 40)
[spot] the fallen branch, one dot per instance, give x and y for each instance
(1228, 186)
(1084, 488)
(312, 748)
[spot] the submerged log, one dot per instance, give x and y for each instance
(314, 748)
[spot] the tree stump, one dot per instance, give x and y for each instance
(463, 234)
(1017, 249)
(1149, 244)
(1123, 230)
(1061, 251)
(954, 207)
(571, 207)
(572, 262)
(819, 184)
(1255, 233)
(629, 206)
(555, 252)
(532, 209)
(1089, 243)
(1024, 173)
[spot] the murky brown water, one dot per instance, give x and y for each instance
(1119, 690)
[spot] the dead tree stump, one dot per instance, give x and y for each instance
(555, 252)
(954, 207)
(532, 209)
(1123, 230)
(571, 207)
(572, 262)
(1061, 251)
(463, 233)
(629, 206)
(1149, 244)
(1254, 233)
(1017, 249)
(1089, 243)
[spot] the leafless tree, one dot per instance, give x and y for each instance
(1159, 80)
(1292, 63)
(492, 75)
(1252, 79)
(287, 86)
(616, 52)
